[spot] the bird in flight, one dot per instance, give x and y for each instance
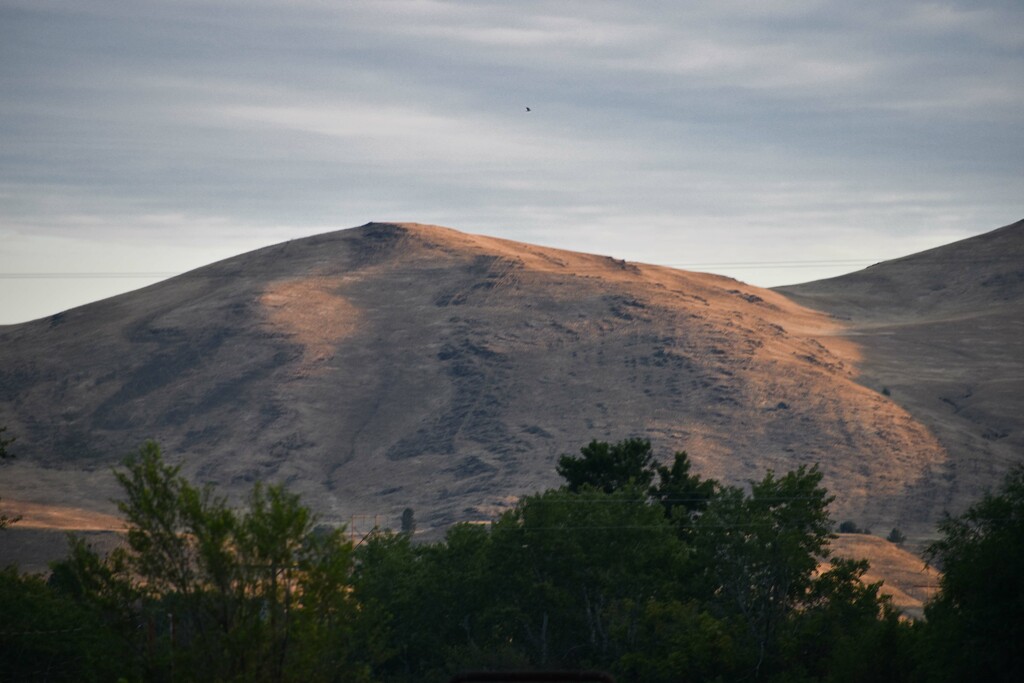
(528, 109)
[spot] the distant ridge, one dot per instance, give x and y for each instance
(943, 332)
(968, 276)
(400, 365)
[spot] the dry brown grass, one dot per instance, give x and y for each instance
(60, 518)
(905, 576)
(309, 311)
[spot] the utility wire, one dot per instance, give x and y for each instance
(82, 275)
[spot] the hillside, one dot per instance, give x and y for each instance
(942, 332)
(397, 365)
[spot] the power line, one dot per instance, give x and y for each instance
(82, 275)
(773, 264)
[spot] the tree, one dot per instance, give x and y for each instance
(47, 635)
(609, 467)
(682, 495)
(387, 583)
(5, 520)
(595, 574)
(4, 443)
(436, 602)
(760, 552)
(579, 569)
(227, 595)
(408, 522)
(679, 640)
(975, 624)
(845, 630)
(849, 527)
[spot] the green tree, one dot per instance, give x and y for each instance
(975, 624)
(682, 495)
(227, 595)
(845, 630)
(595, 574)
(435, 602)
(609, 467)
(579, 570)
(760, 552)
(679, 640)
(46, 635)
(5, 520)
(100, 586)
(388, 583)
(408, 521)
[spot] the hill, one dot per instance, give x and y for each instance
(942, 333)
(402, 365)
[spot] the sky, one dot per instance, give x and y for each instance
(775, 142)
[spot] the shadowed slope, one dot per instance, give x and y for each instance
(404, 365)
(942, 331)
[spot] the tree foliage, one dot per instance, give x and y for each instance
(226, 595)
(408, 521)
(676, 580)
(683, 496)
(760, 552)
(585, 564)
(637, 567)
(47, 635)
(609, 467)
(5, 520)
(4, 443)
(976, 622)
(849, 527)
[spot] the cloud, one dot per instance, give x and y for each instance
(708, 127)
(400, 134)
